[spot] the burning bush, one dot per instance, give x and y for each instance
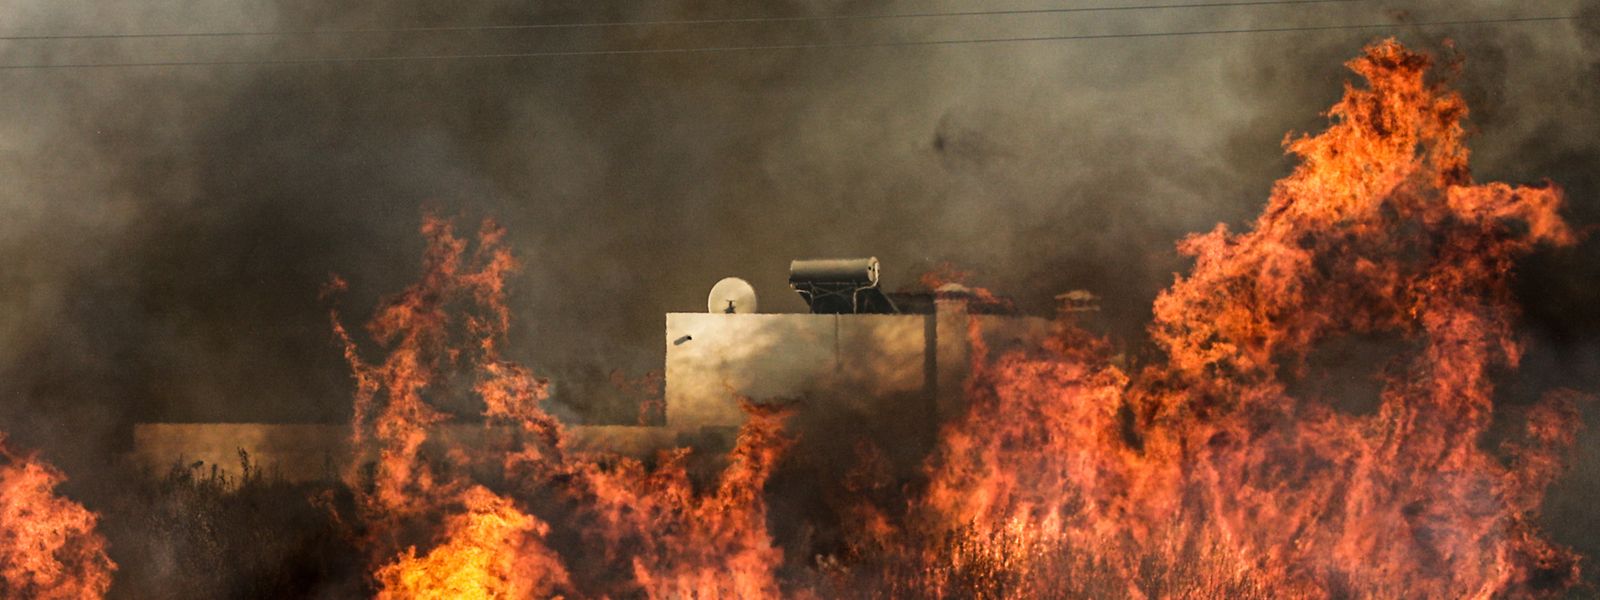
(1201, 476)
(48, 544)
(1197, 475)
(492, 521)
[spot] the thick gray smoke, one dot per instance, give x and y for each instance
(165, 230)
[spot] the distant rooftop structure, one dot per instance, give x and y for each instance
(863, 365)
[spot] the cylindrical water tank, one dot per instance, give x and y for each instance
(861, 272)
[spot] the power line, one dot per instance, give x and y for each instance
(730, 49)
(657, 23)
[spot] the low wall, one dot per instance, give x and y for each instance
(309, 452)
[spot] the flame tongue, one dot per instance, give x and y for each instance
(491, 550)
(1199, 476)
(1379, 230)
(628, 530)
(1216, 480)
(48, 545)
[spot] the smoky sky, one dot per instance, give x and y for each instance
(165, 231)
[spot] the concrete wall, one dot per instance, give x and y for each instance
(309, 452)
(890, 378)
(832, 362)
(298, 452)
(886, 379)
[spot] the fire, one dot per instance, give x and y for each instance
(1205, 473)
(490, 517)
(488, 553)
(48, 544)
(1202, 475)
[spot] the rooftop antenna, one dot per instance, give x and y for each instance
(732, 296)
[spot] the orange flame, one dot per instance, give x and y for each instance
(48, 545)
(487, 554)
(1203, 476)
(639, 531)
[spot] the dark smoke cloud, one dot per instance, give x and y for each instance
(166, 231)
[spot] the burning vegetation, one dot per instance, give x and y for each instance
(48, 544)
(1206, 470)
(625, 529)
(1200, 475)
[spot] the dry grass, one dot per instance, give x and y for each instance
(197, 532)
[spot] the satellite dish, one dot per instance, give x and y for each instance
(732, 296)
